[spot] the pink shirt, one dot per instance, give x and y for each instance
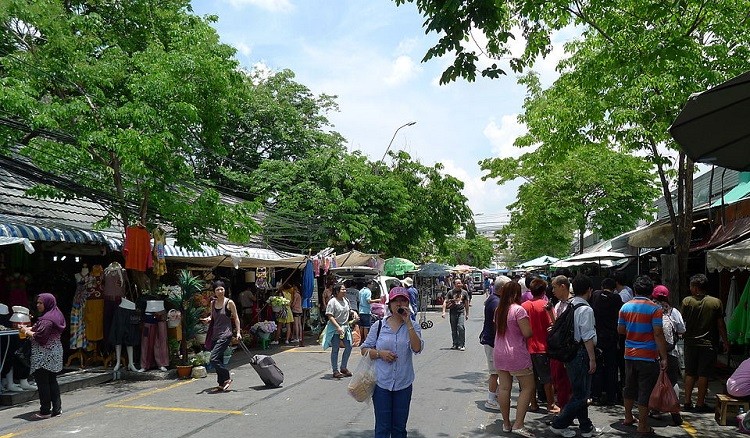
(511, 353)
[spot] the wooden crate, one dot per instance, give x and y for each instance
(727, 408)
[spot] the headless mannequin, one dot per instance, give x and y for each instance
(153, 342)
(126, 304)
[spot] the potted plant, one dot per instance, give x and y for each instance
(263, 330)
(189, 286)
(199, 362)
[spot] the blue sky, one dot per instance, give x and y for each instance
(368, 53)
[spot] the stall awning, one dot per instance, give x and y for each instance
(655, 235)
(51, 234)
(730, 257)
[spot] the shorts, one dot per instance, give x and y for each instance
(673, 369)
(365, 320)
(699, 361)
(488, 351)
(523, 372)
(540, 364)
(297, 315)
(640, 379)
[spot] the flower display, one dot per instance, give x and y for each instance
(169, 292)
(264, 326)
(278, 301)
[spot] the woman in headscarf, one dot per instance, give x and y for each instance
(47, 354)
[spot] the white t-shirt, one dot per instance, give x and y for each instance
(626, 294)
(339, 310)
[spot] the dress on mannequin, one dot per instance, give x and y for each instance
(78, 339)
(114, 290)
(154, 337)
(125, 331)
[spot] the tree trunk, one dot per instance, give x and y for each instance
(684, 222)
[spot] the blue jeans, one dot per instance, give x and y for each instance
(580, 382)
(335, 352)
(217, 359)
(391, 411)
(458, 332)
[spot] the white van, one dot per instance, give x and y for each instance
(363, 274)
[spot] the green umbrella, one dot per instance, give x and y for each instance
(397, 266)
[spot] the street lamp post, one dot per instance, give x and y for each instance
(392, 138)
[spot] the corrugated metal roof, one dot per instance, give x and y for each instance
(701, 185)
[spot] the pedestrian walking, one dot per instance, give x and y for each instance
(392, 343)
(705, 336)
(673, 327)
(512, 358)
(46, 354)
(541, 318)
(560, 381)
(582, 366)
(606, 304)
(487, 339)
(645, 351)
(337, 331)
(457, 303)
(224, 326)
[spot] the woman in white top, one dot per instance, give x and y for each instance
(338, 313)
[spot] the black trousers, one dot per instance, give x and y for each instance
(49, 392)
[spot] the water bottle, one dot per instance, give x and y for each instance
(740, 417)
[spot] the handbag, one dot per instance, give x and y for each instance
(663, 398)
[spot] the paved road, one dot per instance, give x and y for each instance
(447, 402)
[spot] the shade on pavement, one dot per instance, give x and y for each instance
(714, 126)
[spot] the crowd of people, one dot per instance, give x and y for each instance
(624, 339)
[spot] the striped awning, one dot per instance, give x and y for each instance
(49, 234)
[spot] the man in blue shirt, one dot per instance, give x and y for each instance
(413, 297)
(365, 310)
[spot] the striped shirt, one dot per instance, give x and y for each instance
(639, 316)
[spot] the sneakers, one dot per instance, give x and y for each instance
(567, 433)
(593, 432)
(274, 342)
(492, 405)
(226, 385)
(294, 341)
(39, 416)
(461, 348)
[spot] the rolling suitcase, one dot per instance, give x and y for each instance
(268, 371)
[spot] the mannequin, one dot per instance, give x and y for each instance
(114, 290)
(124, 330)
(154, 337)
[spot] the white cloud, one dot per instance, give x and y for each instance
(483, 196)
(407, 46)
(269, 5)
(243, 48)
(403, 69)
(503, 135)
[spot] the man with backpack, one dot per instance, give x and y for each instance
(645, 351)
(582, 365)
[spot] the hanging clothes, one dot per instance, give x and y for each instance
(154, 348)
(731, 300)
(308, 284)
(93, 312)
(77, 323)
(137, 250)
(738, 330)
(159, 252)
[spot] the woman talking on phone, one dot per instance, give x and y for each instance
(391, 343)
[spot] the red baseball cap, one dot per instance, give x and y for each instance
(660, 291)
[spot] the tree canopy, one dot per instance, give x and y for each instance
(134, 90)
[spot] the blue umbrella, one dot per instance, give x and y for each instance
(308, 285)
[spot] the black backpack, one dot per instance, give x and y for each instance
(561, 342)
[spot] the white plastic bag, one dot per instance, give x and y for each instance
(363, 381)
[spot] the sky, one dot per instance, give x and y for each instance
(368, 54)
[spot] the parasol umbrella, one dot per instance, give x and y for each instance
(713, 126)
(433, 270)
(397, 266)
(464, 269)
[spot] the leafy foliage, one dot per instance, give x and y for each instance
(123, 95)
(473, 251)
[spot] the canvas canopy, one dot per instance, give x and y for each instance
(730, 257)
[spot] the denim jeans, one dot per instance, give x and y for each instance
(391, 411)
(580, 382)
(458, 332)
(335, 352)
(217, 359)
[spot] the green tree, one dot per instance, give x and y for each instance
(339, 199)
(473, 251)
(571, 184)
(122, 96)
(627, 76)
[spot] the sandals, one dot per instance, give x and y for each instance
(337, 375)
(39, 416)
(346, 372)
(633, 423)
(523, 432)
(226, 385)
